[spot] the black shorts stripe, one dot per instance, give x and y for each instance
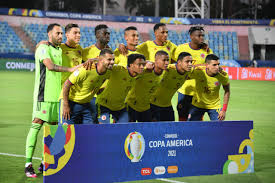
(42, 82)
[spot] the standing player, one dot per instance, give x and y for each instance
(198, 51)
(71, 50)
(208, 83)
(46, 90)
(80, 88)
(149, 48)
(102, 34)
(112, 99)
(173, 78)
(132, 37)
(138, 98)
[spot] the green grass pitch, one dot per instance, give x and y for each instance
(250, 100)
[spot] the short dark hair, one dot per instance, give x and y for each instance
(70, 26)
(130, 28)
(161, 52)
(195, 28)
(51, 26)
(99, 27)
(104, 51)
(156, 27)
(131, 58)
(182, 55)
(211, 57)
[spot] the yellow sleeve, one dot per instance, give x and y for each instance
(85, 54)
(117, 53)
(223, 78)
(173, 52)
(177, 51)
(143, 49)
(78, 75)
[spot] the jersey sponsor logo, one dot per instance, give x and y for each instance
(159, 170)
(172, 169)
(134, 146)
(146, 171)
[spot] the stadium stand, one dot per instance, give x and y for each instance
(10, 42)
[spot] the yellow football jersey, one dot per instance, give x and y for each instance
(121, 59)
(198, 57)
(91, 52)
(139, 96)
(70, 57)
(207, 88)
(149, 49)
(117, 88)
(172, 80)
(86, 84)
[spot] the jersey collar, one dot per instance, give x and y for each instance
(56, 47)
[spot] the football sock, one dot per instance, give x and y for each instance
(31, 141)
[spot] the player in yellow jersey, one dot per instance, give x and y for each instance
(138, 98)
(80, 88)
(208, 82)
(131, 36)
(173, 78)
(198, 51)
(102, 34)
(71, 50)
(112, 99)
(149, 48)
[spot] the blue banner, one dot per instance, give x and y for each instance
(138, 151)
(142, 19)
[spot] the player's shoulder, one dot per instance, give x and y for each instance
(171, 67)
(42, 49)
(184, 45)
(170, 43)
(116, 52)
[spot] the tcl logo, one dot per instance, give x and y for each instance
(146, 171)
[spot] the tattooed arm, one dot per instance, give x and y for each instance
(57, 68)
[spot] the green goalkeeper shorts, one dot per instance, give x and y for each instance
(46, 111)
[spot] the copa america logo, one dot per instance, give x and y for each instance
(134, 146)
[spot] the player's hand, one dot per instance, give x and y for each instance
(88, 64)
(42, 42)
(122, 49)
(66, 111)
(220, 69)
(221, 115)
(149, 65)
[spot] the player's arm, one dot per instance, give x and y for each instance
(57, 68)
(122, 49)
(225, 101)
(66, 106)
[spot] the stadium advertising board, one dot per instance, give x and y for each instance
(139, 151)
(17, 65)
(248, 73)
(142, 19)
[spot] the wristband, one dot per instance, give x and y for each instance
(224, 108)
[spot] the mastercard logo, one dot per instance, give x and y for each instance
(172, 169)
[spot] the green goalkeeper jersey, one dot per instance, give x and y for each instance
(47, 85)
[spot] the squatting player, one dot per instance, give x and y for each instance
(47, 88)
(207, 99)
(80, 88)
(112, 99)
(173, 78)
(138, 98)
(198, 49)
